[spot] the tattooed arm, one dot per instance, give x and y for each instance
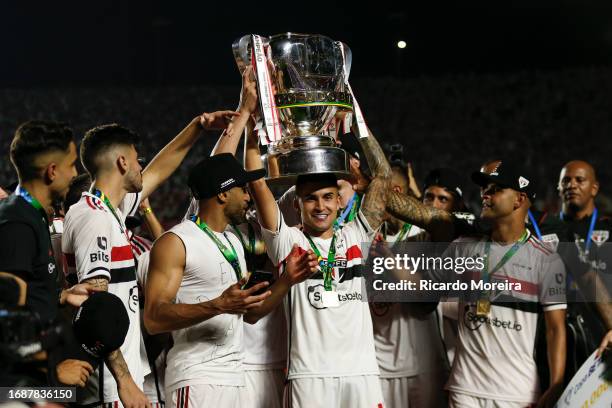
(437, 222)
(373, 206)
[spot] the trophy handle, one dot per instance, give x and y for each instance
(348, 59)
(242, 51)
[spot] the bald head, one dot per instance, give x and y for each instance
(578, 187)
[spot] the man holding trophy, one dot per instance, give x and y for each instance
(302, 82)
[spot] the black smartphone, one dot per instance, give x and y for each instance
(257, 277)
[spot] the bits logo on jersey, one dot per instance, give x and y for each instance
(315, 296)
(102, 243)
(98, 256)
(474, 322)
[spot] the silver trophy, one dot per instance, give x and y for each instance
(307, 77)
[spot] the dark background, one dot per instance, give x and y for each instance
(531, 80)
(167, 42)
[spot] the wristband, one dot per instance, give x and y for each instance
(146, 211)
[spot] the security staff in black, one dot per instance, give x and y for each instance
(580, 235)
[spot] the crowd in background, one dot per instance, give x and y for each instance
(541, 118)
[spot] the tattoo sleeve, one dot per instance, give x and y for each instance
(373, 206)
(437, 222)
(117, 366)
(98, 283)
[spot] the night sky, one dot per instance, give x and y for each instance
(157, 42)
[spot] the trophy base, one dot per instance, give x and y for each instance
(294, 156)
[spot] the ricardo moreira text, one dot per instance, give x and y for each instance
(458, 265)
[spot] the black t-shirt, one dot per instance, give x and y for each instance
(26, 251)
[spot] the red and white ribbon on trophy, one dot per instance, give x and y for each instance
(362, 128)
(272, 131)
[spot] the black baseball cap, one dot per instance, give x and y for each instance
(219, 173)
(101, 324)
(507, 175)
(445, 177)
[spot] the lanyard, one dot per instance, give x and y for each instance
(23, 193)
(349, 213)
(402, 233)
(251, 247)
(587, 242)
(327, 267)
(98, 193)
(534, 223)
(230, 255)
(505, 258)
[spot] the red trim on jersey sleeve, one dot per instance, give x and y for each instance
(122, 253)
(89, 203)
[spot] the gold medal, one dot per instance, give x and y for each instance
(483, 307)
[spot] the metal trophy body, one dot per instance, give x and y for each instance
(308, 84)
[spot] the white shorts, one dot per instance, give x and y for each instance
(265, 388)
(206, 395)
(458, 400)
(419, 391)
(360, 391)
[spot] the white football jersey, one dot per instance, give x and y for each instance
(209, 352)
(328, 341)
(95, 244)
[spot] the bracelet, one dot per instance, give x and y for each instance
(146, 211)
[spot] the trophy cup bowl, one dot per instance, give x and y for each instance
(309, 86)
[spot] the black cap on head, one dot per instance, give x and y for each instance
(447, 178)
(101, 324)
(507, 175)
(219, 173)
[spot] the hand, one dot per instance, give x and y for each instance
(413, 186)
(217, 120)
(234, 300)
(298, 267)
(131, 396)
(73, 372)
(79, 293)
(3, 194)
(551, 396)
(248, 95)
(380, 248)
(361, 182)
(605, 343)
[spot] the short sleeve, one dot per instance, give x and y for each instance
(279, 243)
(17, 253)
(129, 204)
(552, 283)
(92, 245)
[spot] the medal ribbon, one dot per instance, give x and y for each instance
(23, 193)
(98, 193)
(230, 255)
(534, 223)
(589, 237)
(327, 267)
(349, 213)
(250, 249)
(509, 254)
